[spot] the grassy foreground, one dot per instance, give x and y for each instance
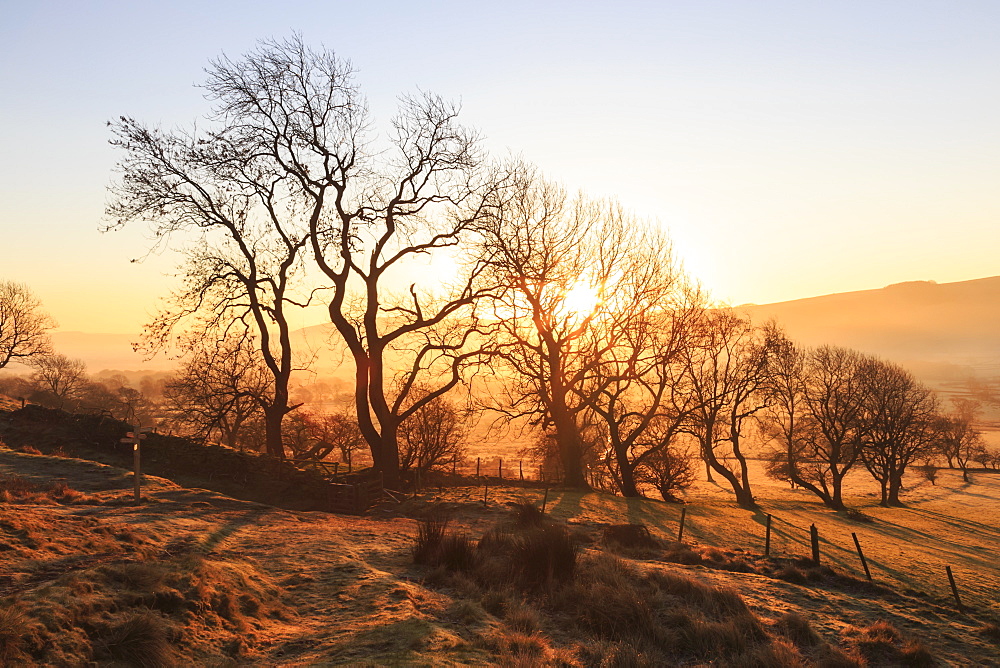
(191, 577)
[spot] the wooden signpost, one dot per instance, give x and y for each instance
(134, 438)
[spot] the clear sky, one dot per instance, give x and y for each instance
(791, 148)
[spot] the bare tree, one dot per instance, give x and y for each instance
(23, 325)
(233, 194)
(434, 436)
(898, 424)
(220, 393)
(634, 380)
(958, 439)
(729, 372)
(316, 436)
(377, 217)
(816, 415)
(550, 255)
(59, 377)
(670, 469)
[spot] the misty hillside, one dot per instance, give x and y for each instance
(941, 331)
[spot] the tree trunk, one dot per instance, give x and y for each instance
(273, 416)
(390, 459)
(571, 453)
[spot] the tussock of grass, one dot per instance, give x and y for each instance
(629, 536)
(527, 514)
(133, 612)
(139, 638)
(881, 644)
(15, 489)
(523, 618)
(796, 628)
(14, 628)
(532, 578)
(430, 533)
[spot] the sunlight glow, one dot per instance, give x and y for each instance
(582, 299)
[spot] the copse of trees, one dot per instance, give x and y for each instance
(585, 321)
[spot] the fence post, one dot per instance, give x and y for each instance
(861, 554)
(477, 467)
(520, 468)
(680, 528)
(767, 537)
(545, 500)
(500, 468)
(814, 538)
(954, 589)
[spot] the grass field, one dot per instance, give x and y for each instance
(213, 580)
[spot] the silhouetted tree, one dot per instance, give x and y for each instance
(316, 436)
(816, 414)
(233, 191)
(434, 436)
(370, 215)
(633, 375)
(958, 439)
(220, 393)
(548, 253)
(60, 379)
(898, 424)
(729, 371)
(23, 325)
(669, 469)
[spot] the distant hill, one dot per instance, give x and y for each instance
(942, 331)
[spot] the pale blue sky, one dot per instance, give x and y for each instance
(791, 148)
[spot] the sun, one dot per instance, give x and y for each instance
(581, 299)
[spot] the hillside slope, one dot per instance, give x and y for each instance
(941, 331)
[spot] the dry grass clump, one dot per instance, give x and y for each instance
(15, 489)
(148, 613)
(14, 629)
(881, 644)
(138, 638)
(630, 537)
(543, 592)
(527, 514)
